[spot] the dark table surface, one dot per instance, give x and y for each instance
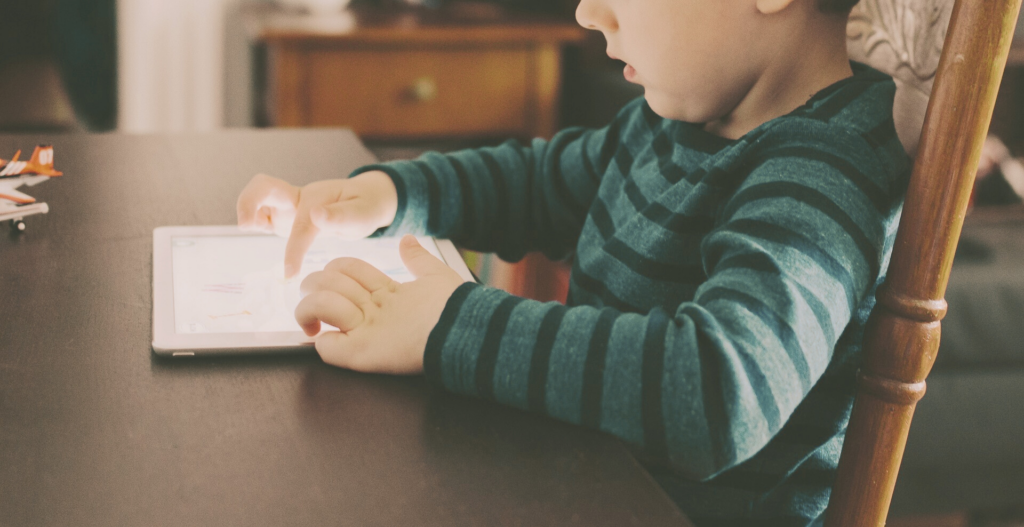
(95, 430)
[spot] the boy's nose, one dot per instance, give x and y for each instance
(595, 14)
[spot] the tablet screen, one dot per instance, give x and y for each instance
(235, 284)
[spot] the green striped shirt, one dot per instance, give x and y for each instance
(718, 293)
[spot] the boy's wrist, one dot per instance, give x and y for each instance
(439, 334)
(385, 193)
(401, 196)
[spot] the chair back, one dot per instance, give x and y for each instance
(902, 337)
(902, 38)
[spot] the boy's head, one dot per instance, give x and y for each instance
(700, 60)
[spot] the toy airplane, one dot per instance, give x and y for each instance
(14, 205)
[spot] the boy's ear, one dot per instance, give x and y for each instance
(770, 7)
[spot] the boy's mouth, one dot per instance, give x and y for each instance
(629, 73)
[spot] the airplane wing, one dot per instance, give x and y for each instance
(32, 180)
(8, 193)
(17, 197)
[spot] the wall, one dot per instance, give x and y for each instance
(171, 65)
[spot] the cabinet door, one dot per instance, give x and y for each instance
(402, 92)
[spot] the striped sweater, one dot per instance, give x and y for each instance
(718, 292)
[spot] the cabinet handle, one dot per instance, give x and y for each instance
(423, 89)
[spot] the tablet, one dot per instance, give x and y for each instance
(218, 290)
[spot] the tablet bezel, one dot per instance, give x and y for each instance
(168, 342)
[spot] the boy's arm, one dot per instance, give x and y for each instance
(510, 199)
(707, 385)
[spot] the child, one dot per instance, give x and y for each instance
(729, 231)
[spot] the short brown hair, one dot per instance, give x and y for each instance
(836, 6)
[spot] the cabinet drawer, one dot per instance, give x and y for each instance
(418, 92)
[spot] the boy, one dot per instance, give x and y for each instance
(723, 271)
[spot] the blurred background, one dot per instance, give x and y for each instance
(411, 75)
(150, 66)
(147, 66)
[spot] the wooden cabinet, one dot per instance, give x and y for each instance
(416, 74)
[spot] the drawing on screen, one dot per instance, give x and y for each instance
(231, 289)
(242, 314)
(236, 284)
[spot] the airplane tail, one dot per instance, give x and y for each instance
(43, 157)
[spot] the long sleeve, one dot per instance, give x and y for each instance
(702, 385)
(511, 199)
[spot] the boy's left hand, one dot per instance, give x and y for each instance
(384, 324)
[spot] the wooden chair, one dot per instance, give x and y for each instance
(903, 38)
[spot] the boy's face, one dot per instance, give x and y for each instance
(696, 59)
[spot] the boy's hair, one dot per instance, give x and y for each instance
(836, 6)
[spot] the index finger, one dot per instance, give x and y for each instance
(301, 238)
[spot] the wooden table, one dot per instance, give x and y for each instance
(414, 74)
(95, 430)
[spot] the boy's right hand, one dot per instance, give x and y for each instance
(352, 208)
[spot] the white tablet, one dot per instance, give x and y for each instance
(218, 290)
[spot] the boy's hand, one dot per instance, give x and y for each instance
(384, 324)
(352, 208)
